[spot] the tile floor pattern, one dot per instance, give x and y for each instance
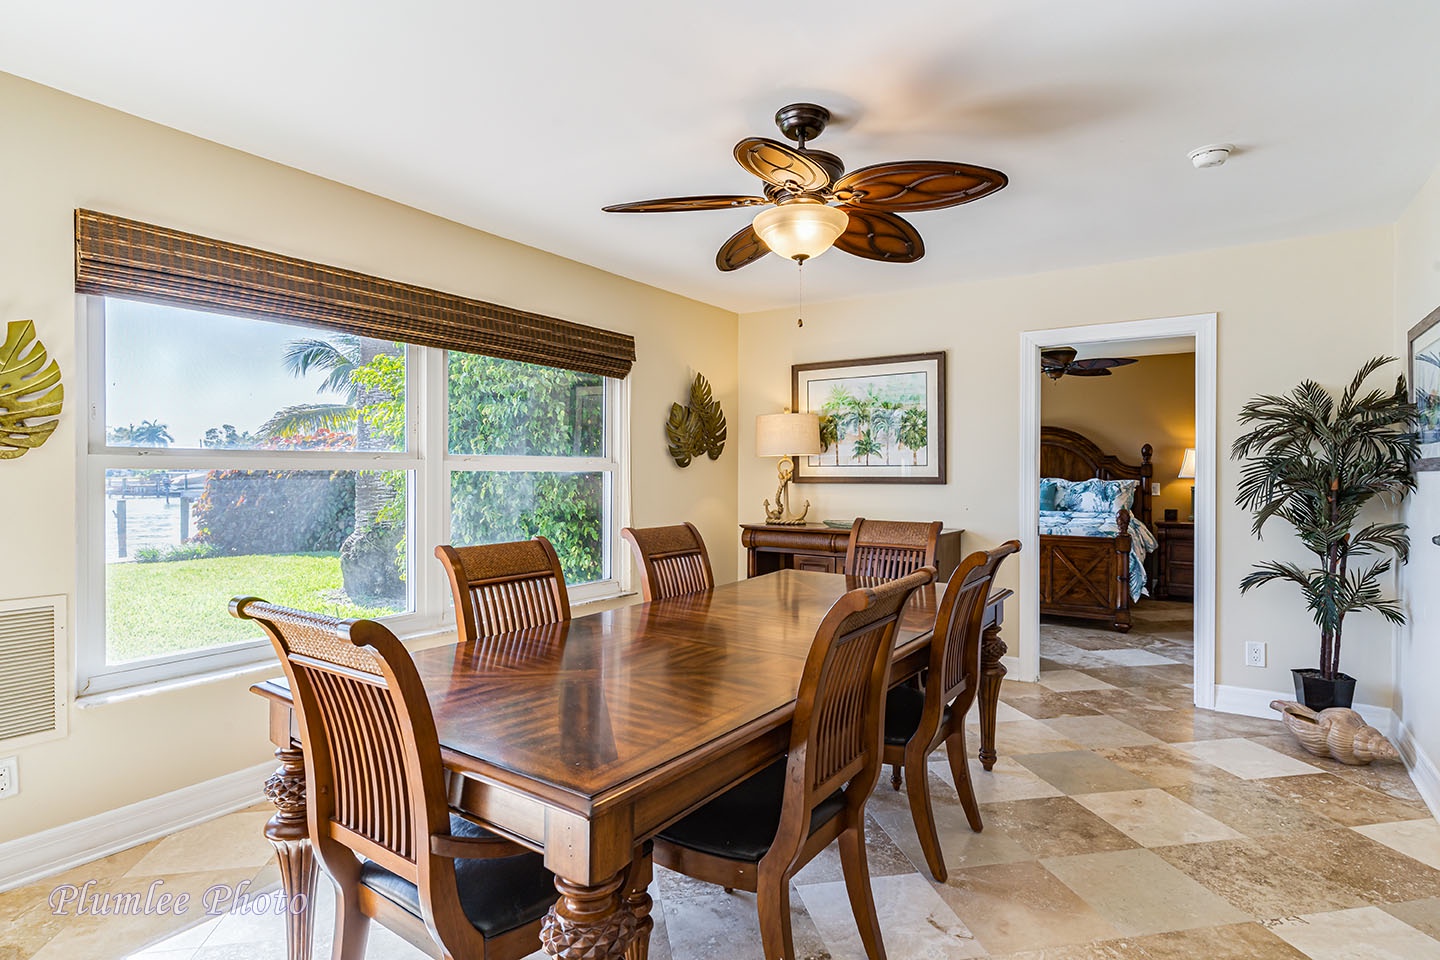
(1120, 824)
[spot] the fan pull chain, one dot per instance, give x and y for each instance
(800, 320)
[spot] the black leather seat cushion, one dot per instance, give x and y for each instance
(497, 895)
(740, 824)
(903, 705)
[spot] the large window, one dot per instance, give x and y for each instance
(230, 455)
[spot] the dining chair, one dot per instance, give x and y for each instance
(759, 833)
(502, 587)
(378, 816)
(673, 560)
(890, 549)
(919, 720)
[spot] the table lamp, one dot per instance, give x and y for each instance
(1187, 472)
(786, 435)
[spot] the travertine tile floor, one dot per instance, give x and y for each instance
(1120, 824)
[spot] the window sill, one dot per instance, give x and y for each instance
(270, 667)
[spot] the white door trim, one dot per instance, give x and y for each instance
(1202, 326)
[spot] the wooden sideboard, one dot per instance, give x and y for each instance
(814, 546)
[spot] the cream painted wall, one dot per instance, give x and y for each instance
(1314, 307)
(1417, 666)
(62, 153)
(1151, 401)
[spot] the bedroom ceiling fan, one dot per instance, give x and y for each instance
(811, 203)
(1061, 362)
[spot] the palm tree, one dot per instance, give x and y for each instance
(914, 431)
(367, 557)
(866, 446)
(1316, 465)
(886, 419)
(830, 435)
(151, 433)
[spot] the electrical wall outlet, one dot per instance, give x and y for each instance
(9, 777)
(1254, 654)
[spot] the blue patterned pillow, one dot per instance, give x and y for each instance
(1099, 496)
(1052, 490)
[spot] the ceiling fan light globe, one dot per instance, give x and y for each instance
(801, 230)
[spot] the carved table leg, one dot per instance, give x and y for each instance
(589, 922)
(288, 832)
(992, 671)
(639, 902)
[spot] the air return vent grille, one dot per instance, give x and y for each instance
(32, 669)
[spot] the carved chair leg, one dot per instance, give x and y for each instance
(992, 672)
(289, 834)
(589, 922)
(917, 787)
(857, 885)
(772, 899)
(960, 773)
(895, 776)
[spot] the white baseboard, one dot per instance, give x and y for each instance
(1423, 770)
(40, 855)
(1249, 702)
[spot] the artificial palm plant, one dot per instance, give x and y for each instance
(1316, 464)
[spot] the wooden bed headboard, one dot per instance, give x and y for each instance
(1073, 456)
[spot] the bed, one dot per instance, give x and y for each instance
(1092, 561)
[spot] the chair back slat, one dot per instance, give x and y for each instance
(955, 650)
(503, 587)
(890, 549)
(372, 757)
(836, 731)
(673, 560)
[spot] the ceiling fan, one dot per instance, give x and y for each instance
(800, 223)
(1061, 362)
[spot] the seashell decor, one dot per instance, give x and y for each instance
(1337, 732)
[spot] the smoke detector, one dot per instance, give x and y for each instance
(1212, 155)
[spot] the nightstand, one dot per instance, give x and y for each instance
(1175, 561)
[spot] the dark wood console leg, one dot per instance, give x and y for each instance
(992, 671)
(288, 832)
(590, 922)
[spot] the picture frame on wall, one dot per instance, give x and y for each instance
(882, 419)
(1424, 370)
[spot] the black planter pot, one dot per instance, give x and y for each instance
(1317, 693)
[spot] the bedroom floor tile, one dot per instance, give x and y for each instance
(1345, 802)
(1081, 771)
(1248, 807)
(1257, 880)
(1067, 681)
(1419, 839)
(1154, 818)
(1246, 760)
(1140, 893)
(1346, 858)
(1239, 941)
(1021, 906)
(1367, 933)
(1099, 731)
(1162, 765)
(1054, 827)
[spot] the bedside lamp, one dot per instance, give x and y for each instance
(1187, 472)
(786, 435)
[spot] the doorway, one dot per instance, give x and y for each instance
(1156, 336)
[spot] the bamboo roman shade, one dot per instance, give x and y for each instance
(126, 258)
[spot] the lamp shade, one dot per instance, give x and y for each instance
(800, 230)
(787, 434)
(1187, 464)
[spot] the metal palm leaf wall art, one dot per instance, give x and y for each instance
(697, 428)
(30, 390)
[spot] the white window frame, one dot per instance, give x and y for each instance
(425, 457)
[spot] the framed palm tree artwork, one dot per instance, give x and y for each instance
(882, 420)
(1424, 340)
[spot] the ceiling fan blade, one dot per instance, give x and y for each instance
(1099, 363)
(776, 163)
(909, 185)
(1058, 357)
(880, 236)
(744, 248)
(670, 204)
(1073, 371)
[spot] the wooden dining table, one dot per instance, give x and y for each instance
(583, 739)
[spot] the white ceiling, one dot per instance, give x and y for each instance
(524, 118)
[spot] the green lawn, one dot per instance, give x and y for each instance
(162, 608)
